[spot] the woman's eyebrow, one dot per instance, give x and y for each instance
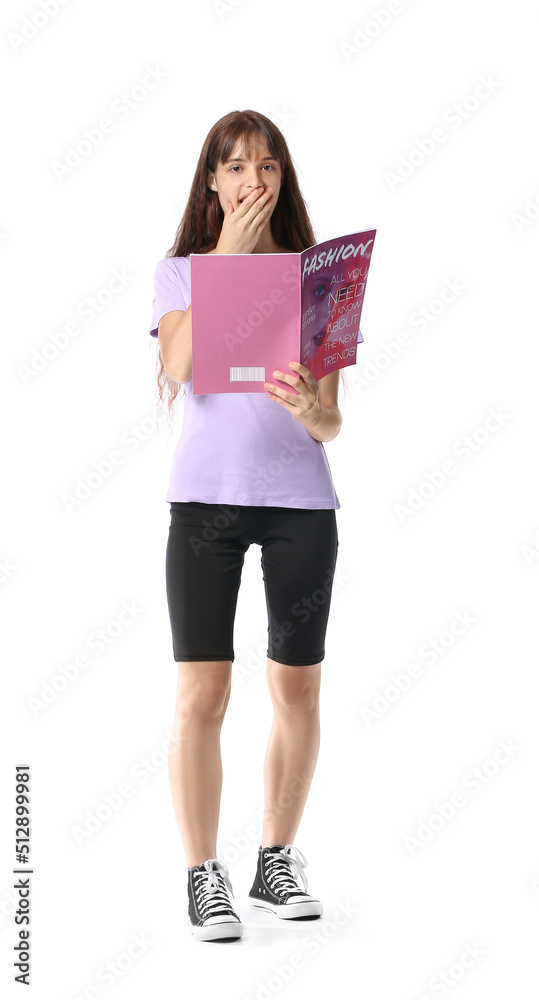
(237, 159)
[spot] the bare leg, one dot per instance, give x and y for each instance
(293, 747)
(194, 762)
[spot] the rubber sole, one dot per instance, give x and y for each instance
(228, 929)
(291, 911)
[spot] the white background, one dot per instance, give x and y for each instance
(355, 100)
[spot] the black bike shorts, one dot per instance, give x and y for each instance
(204, 559)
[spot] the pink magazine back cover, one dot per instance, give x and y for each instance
(246, 312)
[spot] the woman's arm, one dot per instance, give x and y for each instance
(176, 345)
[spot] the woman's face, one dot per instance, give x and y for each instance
(240, 175)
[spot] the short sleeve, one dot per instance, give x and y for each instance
(168, 292)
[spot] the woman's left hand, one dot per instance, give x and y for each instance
(304, 405)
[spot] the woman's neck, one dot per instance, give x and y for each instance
(267, 244)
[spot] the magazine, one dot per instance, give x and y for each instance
(253, 313)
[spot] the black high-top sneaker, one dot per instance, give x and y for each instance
(210, 914)
(277, 884)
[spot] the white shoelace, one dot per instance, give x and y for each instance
(286, 867)
(210, 894)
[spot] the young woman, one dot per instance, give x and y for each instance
(248, 468)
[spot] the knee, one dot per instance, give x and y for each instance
(203, 702)
(294, 689)
(295, 699)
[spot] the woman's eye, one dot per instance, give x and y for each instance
(237, 166)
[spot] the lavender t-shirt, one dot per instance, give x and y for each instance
(238, 448)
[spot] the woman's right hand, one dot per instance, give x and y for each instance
(242, 227)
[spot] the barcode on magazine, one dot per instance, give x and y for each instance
(247, 374)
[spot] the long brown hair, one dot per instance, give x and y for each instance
(202, 220)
